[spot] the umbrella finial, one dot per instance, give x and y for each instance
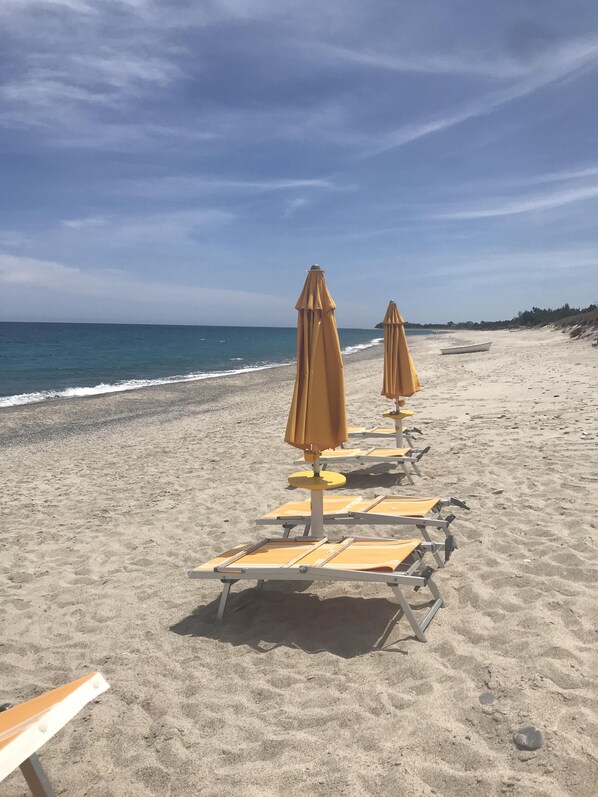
(315, 268)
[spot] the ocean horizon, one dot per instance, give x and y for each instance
(40, 361)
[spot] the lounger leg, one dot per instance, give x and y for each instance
(223, 600)
(36, 778)
(407, 474)
(415, 468)
(424, 532)
(404, 604)
(307, 530)
(436, 592)
(260, 585)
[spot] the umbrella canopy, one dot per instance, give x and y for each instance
(317, 418)
(400, 376)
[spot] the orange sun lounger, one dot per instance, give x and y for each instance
(391, 510)
(396, 457)
(27, 727)
(396, 563)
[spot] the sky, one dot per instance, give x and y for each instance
(186, 162)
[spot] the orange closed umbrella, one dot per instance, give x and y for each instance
(400, 376)
(318, 416)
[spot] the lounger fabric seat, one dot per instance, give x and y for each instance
(337, 505)
(396, 563)
(346, 453)
(400, 457)
(353, 510)
(359, 555)
(333, 504)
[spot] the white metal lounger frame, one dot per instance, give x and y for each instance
(33, 771)
(411, 459)
(350, 517)
(411, 572)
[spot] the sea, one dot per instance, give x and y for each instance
(45, 361)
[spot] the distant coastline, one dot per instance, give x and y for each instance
(565, 316)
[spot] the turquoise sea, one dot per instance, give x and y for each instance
(39, 362)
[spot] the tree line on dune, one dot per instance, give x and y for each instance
(536, 317)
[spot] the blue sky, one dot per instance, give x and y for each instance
(187, 161)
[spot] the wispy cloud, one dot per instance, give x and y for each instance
(184, 187)
(85, 223)
(577, 190)
(572, 58)
(163, 228)
(110, 294)
(12, 239)
(420, 62)
(293, 205)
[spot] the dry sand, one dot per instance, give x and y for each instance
(315, 691)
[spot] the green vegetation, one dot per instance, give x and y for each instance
(536, 317)
(584, 324)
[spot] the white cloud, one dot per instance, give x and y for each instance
(85, 223)
(294, 204)
(531, 203)
(164, 229)
(418, 61)
(112, 295)
(183, 186)
(570, 59)
(12, 239)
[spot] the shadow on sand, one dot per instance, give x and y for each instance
(286, 614)
(377, 477)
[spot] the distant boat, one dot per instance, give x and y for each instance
(467, 349)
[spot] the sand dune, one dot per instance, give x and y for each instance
(315, 690)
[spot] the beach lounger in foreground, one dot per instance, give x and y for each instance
(401, 457)
(28, 726)
(392, 510)
(396, 563)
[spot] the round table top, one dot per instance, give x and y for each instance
(327, 480)
(398, 415)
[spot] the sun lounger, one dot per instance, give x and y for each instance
(398, 457)
(398, 511)
(384, 432)
(28, 726)
(396, 563)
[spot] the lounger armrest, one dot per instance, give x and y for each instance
(454, 502)
(421, 453)
(458, 502)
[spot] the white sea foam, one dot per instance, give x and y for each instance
(119, 387)
(361, 346)
(136, 384)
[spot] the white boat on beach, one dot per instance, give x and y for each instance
(467, 349)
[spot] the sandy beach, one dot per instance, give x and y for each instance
(106, 502)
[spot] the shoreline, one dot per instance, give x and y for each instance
(140, 382)
(21, 422)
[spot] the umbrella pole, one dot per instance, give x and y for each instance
(317, 505)
(398, 425)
